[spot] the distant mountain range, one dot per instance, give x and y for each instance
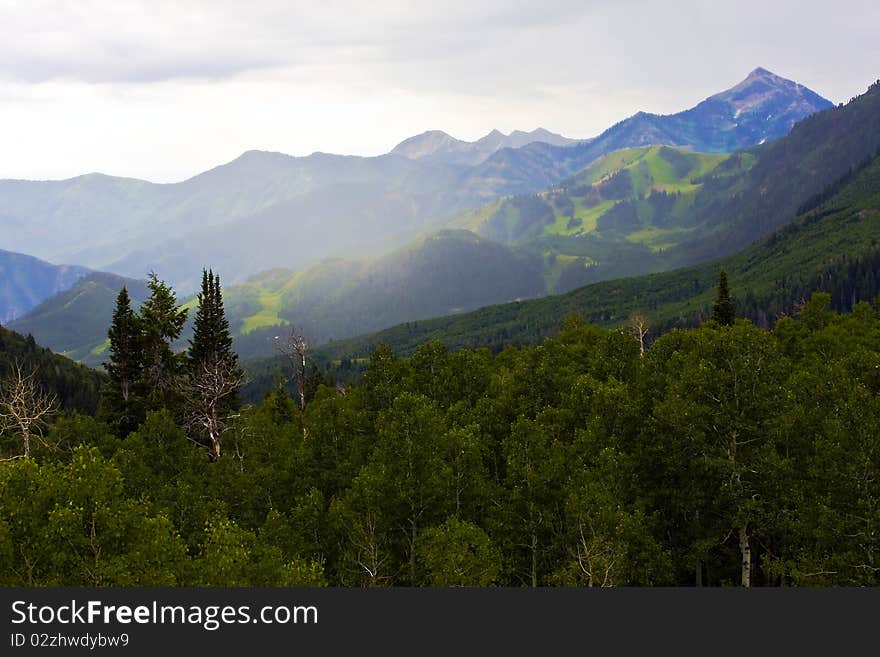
(26, 281)
(438, 146)
(268, 210)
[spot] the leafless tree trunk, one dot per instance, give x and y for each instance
(746, 552)
(24, 407)
(295, 348)
(638, 326)
(369, 553)
(204, 392)
(596, 557)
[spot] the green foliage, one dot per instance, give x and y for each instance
(74, 322)
(577, 462)
(459, 553)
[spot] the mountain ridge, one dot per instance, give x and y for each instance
(440, 146)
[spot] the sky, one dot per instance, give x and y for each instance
(164, 90)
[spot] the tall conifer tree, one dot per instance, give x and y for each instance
(122, 403)
(162, 323)
(213, 374)
(723, 311)
(212, 339)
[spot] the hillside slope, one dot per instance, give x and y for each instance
(447, 272)
(616, 216)
(77, 387)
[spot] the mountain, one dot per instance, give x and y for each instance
(831, 246)
(268, 210)
(75, 322)
(648, 209)
(438, 146)
(761, 108)
(25, 281)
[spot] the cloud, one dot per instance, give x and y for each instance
(142, 42)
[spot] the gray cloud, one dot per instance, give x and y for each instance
(138, 42)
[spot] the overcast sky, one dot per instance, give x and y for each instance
(163, 90)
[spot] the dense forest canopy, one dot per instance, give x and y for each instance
(722, 455)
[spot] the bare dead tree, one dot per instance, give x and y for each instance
(595, 556)
(24, 407)
(369, 556)
(204, 391)
(295, 347)
(638, 326)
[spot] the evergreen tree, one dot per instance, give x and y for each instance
(212, 340)
(162, 322)
(722, 310)
(122, 403)
(213, 377)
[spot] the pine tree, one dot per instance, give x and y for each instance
(122, 403)
(162, 323)
(723, 311)
(212, 339)
(210, 387)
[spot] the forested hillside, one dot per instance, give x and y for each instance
(75, 386)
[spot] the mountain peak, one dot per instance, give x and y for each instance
(426, 143)
(771, 94)
(761, 72)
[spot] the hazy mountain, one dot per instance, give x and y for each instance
(447, 272)
(268, 210)
(441, 147)
(619, 215)
(25, 281)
